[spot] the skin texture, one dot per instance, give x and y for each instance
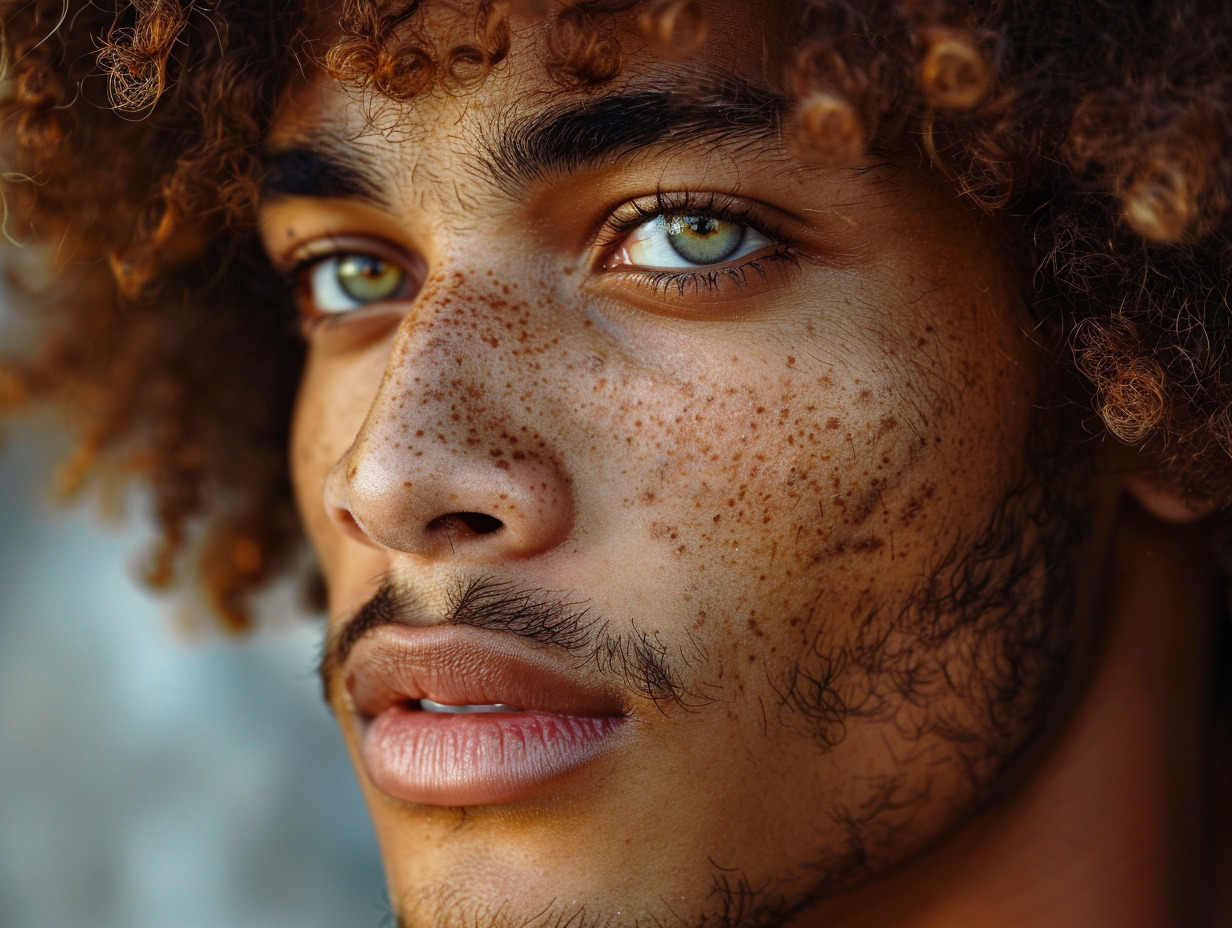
(826, 522)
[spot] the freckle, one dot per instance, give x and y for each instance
(833, 424)
(791, 362)
(406, 484)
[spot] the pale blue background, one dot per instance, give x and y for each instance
(148, 780)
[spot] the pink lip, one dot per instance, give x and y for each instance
(471, 759)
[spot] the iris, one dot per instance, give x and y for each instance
(367, 278)
(703, 239)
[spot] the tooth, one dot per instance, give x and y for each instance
(430, 706)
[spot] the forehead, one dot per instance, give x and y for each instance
(744, 47)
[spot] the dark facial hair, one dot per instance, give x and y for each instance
(991, 630)
(637, 659)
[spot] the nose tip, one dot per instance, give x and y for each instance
(443, 503)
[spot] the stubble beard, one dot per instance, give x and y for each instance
(981, 649)
(988, 635)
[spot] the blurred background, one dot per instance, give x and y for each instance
(150, 778)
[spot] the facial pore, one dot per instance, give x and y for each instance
(785, 486)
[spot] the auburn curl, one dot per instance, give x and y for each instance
(1099, 130)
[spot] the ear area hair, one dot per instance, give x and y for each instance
(1167, 504)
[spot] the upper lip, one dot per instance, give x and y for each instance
(458, 665)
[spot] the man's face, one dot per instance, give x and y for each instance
(717, 476)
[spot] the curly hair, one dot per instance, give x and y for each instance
(130, 159)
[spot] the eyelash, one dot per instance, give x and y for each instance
(628, 217)
(664, 283)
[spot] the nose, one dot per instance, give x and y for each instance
(443, 468)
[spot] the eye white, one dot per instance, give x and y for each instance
(650, 245)
(324, 291)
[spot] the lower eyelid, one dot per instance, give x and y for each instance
(749, 273)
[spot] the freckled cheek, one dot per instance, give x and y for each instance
(737, 471)
(765, 497)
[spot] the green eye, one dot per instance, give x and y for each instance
(703, 239)
(348, 281)
(687, 238)
(368, 279)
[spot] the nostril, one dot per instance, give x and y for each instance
(471, 523)
(480, 523)
(344, 519)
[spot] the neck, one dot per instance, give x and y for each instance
(1109, 824)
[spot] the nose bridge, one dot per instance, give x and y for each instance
(439, 465)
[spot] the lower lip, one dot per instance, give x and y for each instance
(479, 758)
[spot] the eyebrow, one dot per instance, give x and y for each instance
(322, 171)
(518, 153)
(596, 133)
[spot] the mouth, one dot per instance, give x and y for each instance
(457, 716)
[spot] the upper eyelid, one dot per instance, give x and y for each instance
(303, 255)
(312, 250)
(708, 203)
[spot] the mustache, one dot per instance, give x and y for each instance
(640, 660)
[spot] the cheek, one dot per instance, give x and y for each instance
(776, 486)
